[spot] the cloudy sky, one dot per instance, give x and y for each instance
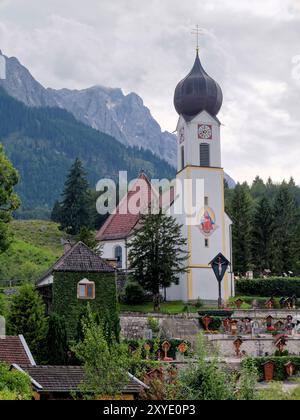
(251, 47)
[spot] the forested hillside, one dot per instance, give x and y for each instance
(42, 143)
(266, 227)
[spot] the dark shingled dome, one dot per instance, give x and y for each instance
(197, 92)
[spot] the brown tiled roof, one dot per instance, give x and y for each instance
(80, 258)
(67, 379)
(15, 350)
(122, 223)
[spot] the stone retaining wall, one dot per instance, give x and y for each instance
(253, 346)
(185, 326)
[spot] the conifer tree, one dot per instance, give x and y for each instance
(241, 212)
(297, 244)
(258, 188)
(76, 204)
(27, 317)
(157, 254)
(57, 342)
(56, 212)
(284, 236)
(88, 237)
(262, 235)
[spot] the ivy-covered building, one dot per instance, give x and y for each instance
(80, 277)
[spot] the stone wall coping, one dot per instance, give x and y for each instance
(260, 337)
(251, 313)
(262, 313)
(158, 315)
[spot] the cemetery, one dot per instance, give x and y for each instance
(269, 336)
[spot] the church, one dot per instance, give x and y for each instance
(197, 100)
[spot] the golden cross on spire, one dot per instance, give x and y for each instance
(197, 31)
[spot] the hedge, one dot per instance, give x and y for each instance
(279, 369)
(277, 287)
(216, 312)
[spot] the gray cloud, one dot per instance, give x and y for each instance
(146, 47)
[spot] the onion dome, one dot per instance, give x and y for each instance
(197, 92)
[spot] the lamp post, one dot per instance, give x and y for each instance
(219, 265)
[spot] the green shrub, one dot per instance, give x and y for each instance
(153, 324)
(214, 325)
(276, 286)
(14, 385)
(199, 303)
(275, 392)
(134, 294)
(279, 369)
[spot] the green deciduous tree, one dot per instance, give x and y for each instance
(9, 200)
(57, 341)
(105, 365)
(14, 385)
(203, 380)
(206, 378)
(2, 305)
(76, 204)
(157, 254)
(27, 317)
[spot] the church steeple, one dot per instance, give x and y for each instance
(197, 92)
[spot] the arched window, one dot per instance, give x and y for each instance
(204, 154)
(86, 289)
(119, 256)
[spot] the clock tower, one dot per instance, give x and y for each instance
(198, 99)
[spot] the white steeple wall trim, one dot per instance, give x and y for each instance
(189, 138)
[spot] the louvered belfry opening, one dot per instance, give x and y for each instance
(204, 154)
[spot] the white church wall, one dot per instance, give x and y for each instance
(189, 132)
(109, 250)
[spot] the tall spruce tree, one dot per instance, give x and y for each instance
(27, 317)
(57, 341)
(297, 244)
(76, 204)
(157, 254)
(284, 238)
(56, 212)
(258, 188)
(241, 212)
(9, 200)
(262, 228)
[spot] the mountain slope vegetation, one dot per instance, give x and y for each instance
(42, 143)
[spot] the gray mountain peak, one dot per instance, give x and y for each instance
(105, 109)
(109, 110)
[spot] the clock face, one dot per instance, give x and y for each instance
(181, 135)
(205, 131)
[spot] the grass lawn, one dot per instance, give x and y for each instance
(40, 233)
(175, 307)
(36, 246)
